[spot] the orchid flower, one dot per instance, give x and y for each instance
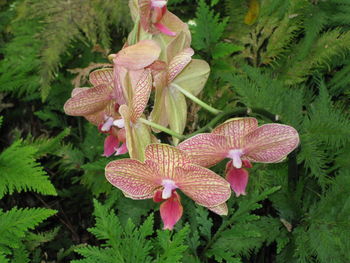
(151, 15)
(180, 70)
(165, 170)
(242, 141)
(100, 104)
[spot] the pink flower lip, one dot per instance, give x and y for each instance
(235, 155)
(169, 186)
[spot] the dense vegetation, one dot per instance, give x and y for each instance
(285, 61)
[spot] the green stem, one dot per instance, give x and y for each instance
(162, 128)
(195, 99)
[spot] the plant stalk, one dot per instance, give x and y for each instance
(196, 100)
(162, 128)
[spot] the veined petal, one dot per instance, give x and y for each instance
(138, 56)
(236, 128)
(178, 63)
(76, 91)
(171, 211)
(221, 210)
(177, 44)
(194, 76)
(202, 185)
(238, 178)
(270, 143)
(142, 92)
(166, 157)
(110, 145)
(206, 149)
(88, 101)
(176, 109)
(101, 76)
(134, 178)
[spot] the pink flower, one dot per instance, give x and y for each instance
(164, 170)
(242, 141)
(151, 15)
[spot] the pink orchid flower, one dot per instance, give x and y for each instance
(242, 141)
(165, 170)
(151, 15)
(100, 104)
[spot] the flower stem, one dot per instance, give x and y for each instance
(195, 99)
(162, 128)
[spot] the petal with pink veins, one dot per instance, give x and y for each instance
(221, 210)
(178, 63)
(167, 158)
(236, 128)
(238, 178)
(101, 76)
(88, 101)
(141, 95)
(206, 149)
(134, 178)
(270, 143)
(202, 185)
(110, 145)
(171, 211)
(138, 56)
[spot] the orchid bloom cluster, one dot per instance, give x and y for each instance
(157, 58)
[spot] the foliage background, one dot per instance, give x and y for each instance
(286, 60)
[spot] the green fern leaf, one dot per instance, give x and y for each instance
(15, 223)
(171, 245)
(20, 172)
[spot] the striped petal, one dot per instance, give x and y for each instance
(194, 76)
(270, 143)
(88, 101)
(206, 149)
(236, 128)
(141, 95)
(134, 178)
(167, 158)
(221, 210)
(178, 63)
(76, 91)
(171, 211)
(138, 56)
(202, 185)
(101, 76)
(145, 14)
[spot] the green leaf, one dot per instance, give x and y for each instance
(20, 172)
(225, 49)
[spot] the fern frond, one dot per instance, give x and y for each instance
(20, 171)
(209, 29)
(171, 246)
(15, 223)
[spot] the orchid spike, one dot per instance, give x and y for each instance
(242, 141)
(165, 170)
